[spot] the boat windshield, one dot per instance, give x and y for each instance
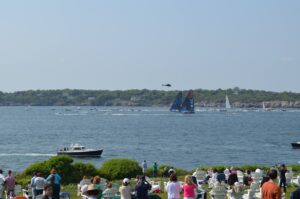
(78, 148)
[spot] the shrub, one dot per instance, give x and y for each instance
(119, 168)
(62, 164)
(81, 169)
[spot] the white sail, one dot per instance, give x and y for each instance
(227, 103)
(263, 106)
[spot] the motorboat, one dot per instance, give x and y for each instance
(76, 150)
(295, 144)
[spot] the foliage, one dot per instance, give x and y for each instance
(82, 169)
(62, 164)
(120, 168)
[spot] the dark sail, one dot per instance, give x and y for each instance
(188, 103)
(176, 106)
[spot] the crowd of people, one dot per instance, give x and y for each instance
(97, 188)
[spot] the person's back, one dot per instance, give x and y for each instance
(125, 189)
(10, 182)
(39, 184)
(125, 192)
(188, 188)
(142, 188)
(269, 189)
(173, 187)
(232, 178)
(221, 177)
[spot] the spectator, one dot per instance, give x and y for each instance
(48, 192)
(269, 189)
(142, 188)
(155, 169)
(173, 187)
(10, 184)
(144, 166)
(125, 189)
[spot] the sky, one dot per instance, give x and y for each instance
(141, 44)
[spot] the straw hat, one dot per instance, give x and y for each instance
(92, 187)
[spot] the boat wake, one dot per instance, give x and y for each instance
(27, 154)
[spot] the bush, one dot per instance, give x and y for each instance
(80, 169)
(120, 168)
(62, 164)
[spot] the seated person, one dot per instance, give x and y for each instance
(109, 192)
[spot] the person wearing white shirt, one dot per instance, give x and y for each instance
(2, 180)
(173, 187)
(39, 184)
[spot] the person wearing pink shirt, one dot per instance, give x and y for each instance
(189, 188)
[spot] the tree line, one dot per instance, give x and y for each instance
(144, 97)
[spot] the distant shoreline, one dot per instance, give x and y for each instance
(239, 98)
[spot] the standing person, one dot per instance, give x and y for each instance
(125, 189)
(57, 179)
(142, 188)
(269, 189)
(10, 184)
(32, 185)
(39, 183)
(155, 169)
(282, 171)
(173, 187)
(144, 166)
(189, 188)
(55, 188)
(48, 192)
(2, 180)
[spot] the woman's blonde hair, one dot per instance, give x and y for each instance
(188, 179)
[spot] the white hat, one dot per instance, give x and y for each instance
(126, 180)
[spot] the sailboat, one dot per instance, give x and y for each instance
(227, 104)
(177, 104)
(186, 106)
(263, 106)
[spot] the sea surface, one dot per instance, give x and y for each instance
(208, 137)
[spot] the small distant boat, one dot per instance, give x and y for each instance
(264, 107)
(227, 103)
(77, 150)
(186, 106)
(296, 145)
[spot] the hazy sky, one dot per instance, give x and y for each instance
(136, 44)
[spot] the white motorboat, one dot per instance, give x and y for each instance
(76, 150)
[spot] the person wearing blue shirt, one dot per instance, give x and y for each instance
(54, 179)
(144, 166)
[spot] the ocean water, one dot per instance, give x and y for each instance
(187, 141)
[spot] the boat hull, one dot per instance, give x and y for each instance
(295, 145)
(94, 153)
